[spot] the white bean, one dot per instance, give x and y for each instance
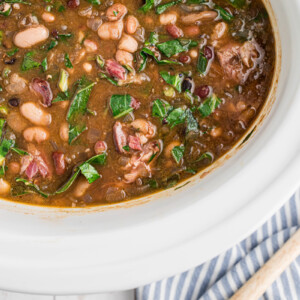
(36, 134)
(64, 131)
(203, 16)
(87, 67)
(169, 18)
(132, 24)
(116, 12)
(124, 57)
(48, 17)
(128, 43)
(111, 30)
(31, 36)
(81, 188)
(4, 187)
(35, 114)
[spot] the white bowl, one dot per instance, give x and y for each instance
(44, 250)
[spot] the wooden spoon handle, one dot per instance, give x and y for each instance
(255, 287)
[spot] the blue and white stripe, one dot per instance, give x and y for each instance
(220, 277)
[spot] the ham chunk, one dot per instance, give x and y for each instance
(115, 69)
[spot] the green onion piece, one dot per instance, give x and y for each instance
(63, 80)
(44, 64)
(100, 61)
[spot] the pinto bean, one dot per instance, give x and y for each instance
(128, 43)
(124, 57)
(4, 187)
(17, 85)
(192, 30)
(169, 18)
(48, 17)
(203, 16)
(131, 25)
(111, 30)
(36, 134)
(35, 114)
(59, 162)
(90, 45)
(31, 36)
(64, 131)
(116, 12)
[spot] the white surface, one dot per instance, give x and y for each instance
(45, 251)
(126, 295)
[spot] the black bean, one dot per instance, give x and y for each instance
(14, 102)
(188, 85)
(10, 61)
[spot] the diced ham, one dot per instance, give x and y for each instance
(100, 147)
(134, 143)
(42, 88)
(174, 31)
(59, 162)
(31, 170)
(135, 104)
(120, 137)
(115, 69)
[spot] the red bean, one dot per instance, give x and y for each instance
(73, 3)
(185, 59)
(59, 162)
(208, 52)
(42, 87)
(202, 91)
(174, 31)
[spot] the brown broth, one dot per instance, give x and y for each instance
(241, 99)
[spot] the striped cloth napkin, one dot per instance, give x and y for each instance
(219, 278)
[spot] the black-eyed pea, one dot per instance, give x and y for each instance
(35, 114)
(128, 43)
(36, 134)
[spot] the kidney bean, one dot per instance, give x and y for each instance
(174, 31)
(73, 3)
(203, 91)
(208, 52)
(185, 59)
(42, 87)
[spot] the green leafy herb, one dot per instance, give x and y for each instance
(206, 155)
(173, 47)
(191, 123)
(5, 9)
(31, 188)
(89, 172)
(64, 36)
(147, 6)
(78, 108)
(176, 116)
(160, 108)
(120, 105)
(4, 110)
(98, 159)
(209, 105)
(202, 63)
(177, 153)
(28, 62)
(153, 183)
(68, 63)
(163, 7)
(191, 171)
(126, 148)
(12, 52)
(153, 39)
(109, 79)
(4, 149)
(174, 80)
(1, 36)
(94, 2)
(224, 14)
(237, 3)
(44, 64)
(52, 44)
(19, 151)
(61, 97)
(2, 124)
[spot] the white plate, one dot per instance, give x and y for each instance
(50, 251)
